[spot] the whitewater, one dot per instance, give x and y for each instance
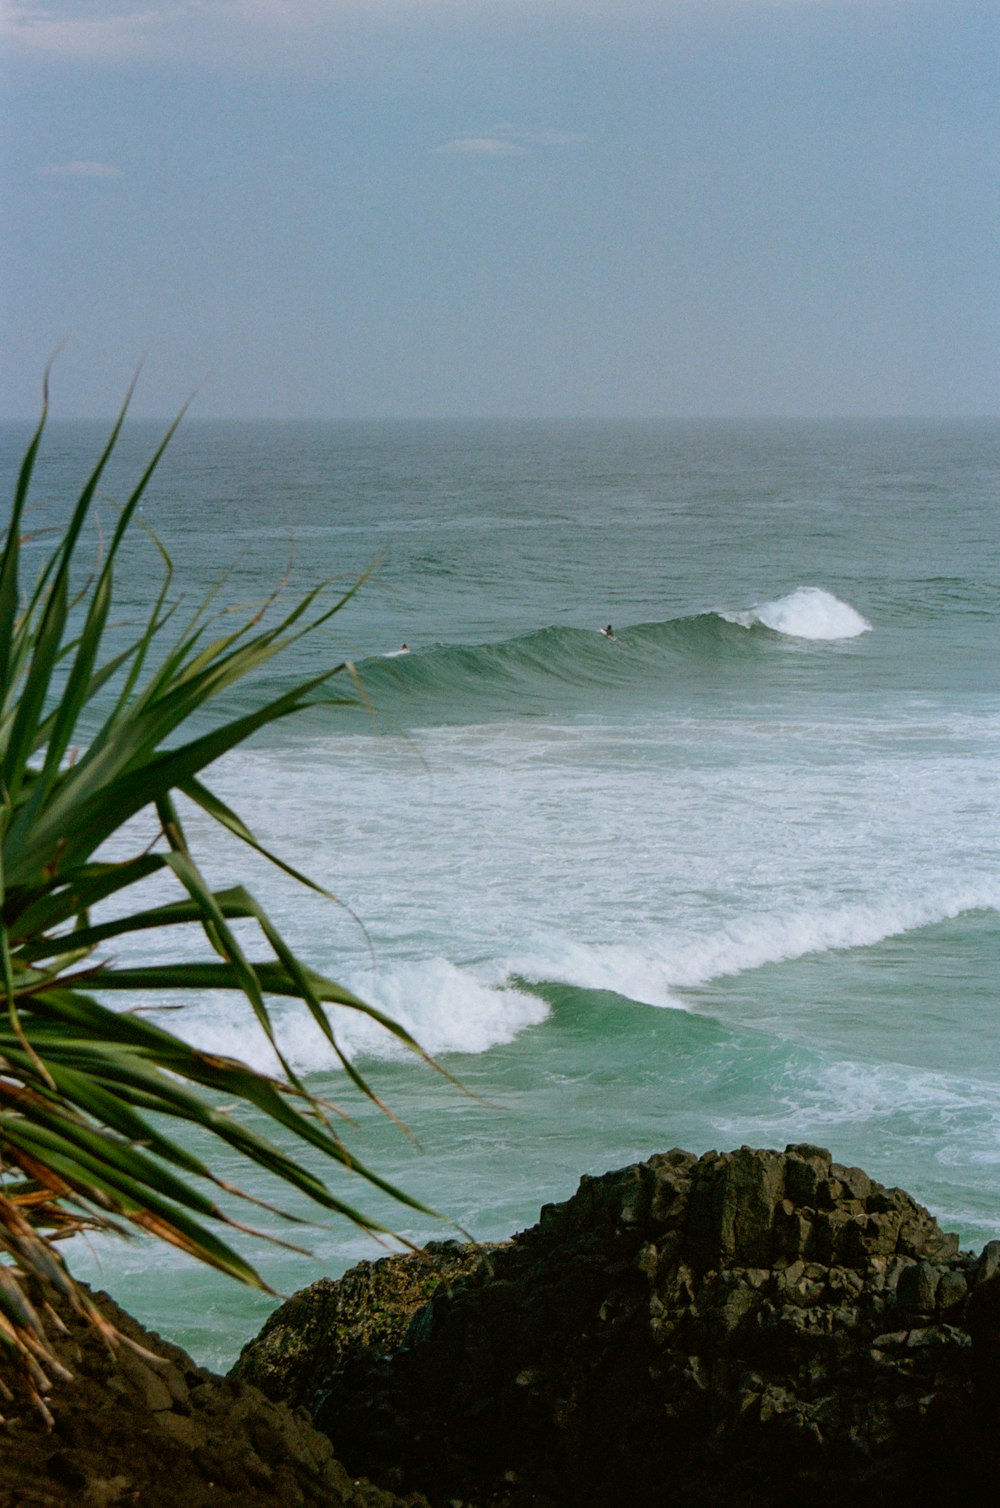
(729, 876)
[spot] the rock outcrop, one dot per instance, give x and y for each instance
(752, 1328)
(163, 1433)
(333, 1325)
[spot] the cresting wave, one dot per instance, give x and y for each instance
(471, 1009)
(652, 972)
(807, 613)
(584, 661)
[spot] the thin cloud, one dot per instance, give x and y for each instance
(105, 34)
(553, 138)
(508, 141)
(123, 31)
(116, 31)
(79, 170)
(481, 146)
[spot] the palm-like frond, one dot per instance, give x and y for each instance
(86, 1091)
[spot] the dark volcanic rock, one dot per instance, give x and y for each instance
(163, 1434)
(748, 1328)
(332, 1325)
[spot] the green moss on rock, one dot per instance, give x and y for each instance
(367, 1312)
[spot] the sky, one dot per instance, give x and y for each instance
(494, 208)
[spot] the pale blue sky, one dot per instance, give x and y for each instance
(436, 208)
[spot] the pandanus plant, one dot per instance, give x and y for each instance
(93, 1100)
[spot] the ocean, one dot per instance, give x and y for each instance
(727, 876)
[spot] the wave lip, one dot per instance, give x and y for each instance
(652, 972)
(807, 613)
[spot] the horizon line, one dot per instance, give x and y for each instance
(637, 418)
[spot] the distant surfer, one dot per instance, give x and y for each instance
(404, 649)
(608, 632)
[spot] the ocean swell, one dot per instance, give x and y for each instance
(570, 667)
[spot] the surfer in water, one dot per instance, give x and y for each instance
(608, 632)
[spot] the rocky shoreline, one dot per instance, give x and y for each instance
(158, 1431)
(748, 1328)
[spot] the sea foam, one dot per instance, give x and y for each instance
(446, 1009)
(807, 613)
(452, 1008)
(831, 1093)
(653, 970)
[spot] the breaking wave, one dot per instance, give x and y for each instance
(573, 668)
(807, 613)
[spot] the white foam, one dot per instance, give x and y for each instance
(449, 1008)
(807, 613)
(826, 1092)
(654, 969)
(445, 1008)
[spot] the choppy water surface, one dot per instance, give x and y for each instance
(730, 875)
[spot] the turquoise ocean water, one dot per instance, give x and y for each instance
(730, 876)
